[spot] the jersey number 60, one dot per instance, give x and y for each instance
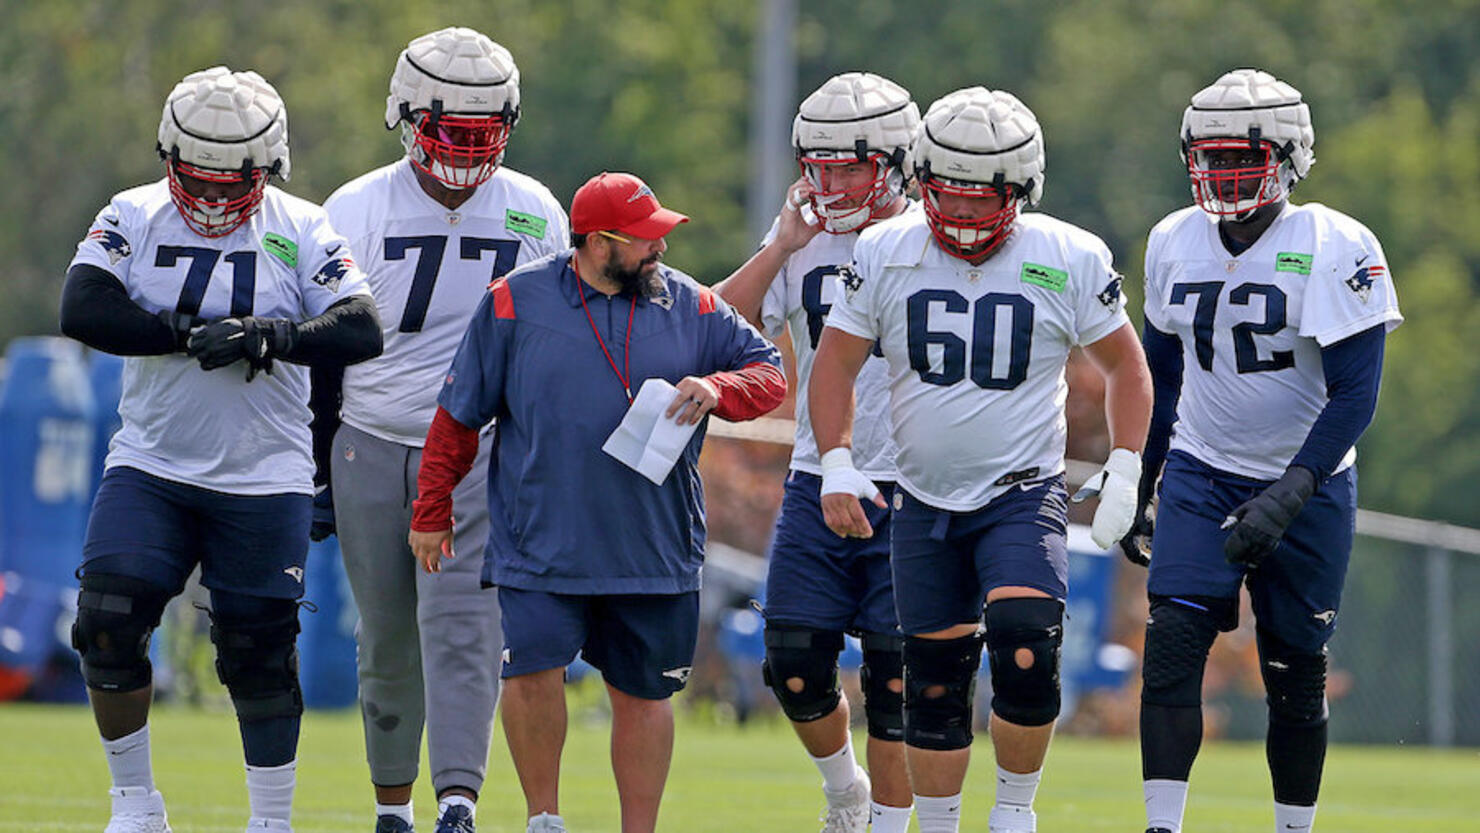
(1001, 338)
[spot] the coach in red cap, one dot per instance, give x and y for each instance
(589, 556)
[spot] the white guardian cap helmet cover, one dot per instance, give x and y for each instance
(222, 131)
(455, 94)
(854, 118)
(1252, 111)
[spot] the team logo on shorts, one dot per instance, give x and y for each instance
(113, 244)
(898, 501)
(295, 572)
(349, 453)
(1325, 617)
(681, 674)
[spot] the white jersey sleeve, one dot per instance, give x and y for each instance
(214, 429)
(1353, 293)
(429, 267)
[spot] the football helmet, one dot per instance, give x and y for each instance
(1246, 141)
(223, 134)
(977, 142)
(455, 94)
(854, 118)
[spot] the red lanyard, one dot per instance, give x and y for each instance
(624, 378)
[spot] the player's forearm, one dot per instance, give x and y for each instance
(450, 451)
(1353, 369)
(1128, 402)
(97, 311)
(830, 399)
(745, 289)
(1164, 360)
(346, 333)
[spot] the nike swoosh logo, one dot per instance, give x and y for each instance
(111, 220)
(330, 252)
(1360, 261)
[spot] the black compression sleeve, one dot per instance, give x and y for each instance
(97, 311)
(346, 333)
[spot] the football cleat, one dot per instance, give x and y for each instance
(137, 810)
(392, 824)
(277, 825)
(546, 823)
(1157, 830)
(455, 819)
(848, 811)
(1012, 820)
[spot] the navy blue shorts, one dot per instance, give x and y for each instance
(643, 645)
(1296, 592)
(946, 562)
(157, 530)
(819, 580)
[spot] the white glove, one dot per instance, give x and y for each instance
(1115, 483)
(839, 476)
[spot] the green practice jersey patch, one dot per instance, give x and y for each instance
(1055, 279)
(1292, 262)
(281, 248)
(518, 221)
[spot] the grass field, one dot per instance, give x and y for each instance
(748, 779)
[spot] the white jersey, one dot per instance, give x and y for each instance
(429, 267)
(799, 298)
(214, 429)
(976, 353)
(1252, 327)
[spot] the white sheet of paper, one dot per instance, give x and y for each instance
(645, 440)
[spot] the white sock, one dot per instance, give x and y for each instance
(886, 819)
(1292, 818)
(270, 790)
(1165, 802)
(938, 814)
(1016, 789)
(128, 760)
(456, 799)
(839, 770)
(400, 811)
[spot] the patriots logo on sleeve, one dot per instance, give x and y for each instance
(331, 273)
(850, 279)
(1362, 280)
(1110, 295)
(113, 244)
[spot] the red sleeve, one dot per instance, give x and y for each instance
(749, 392)
(445, 460)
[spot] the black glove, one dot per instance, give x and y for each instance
(257, 340)
(1137, 543)
(180, 324)
(1259, 523)
(323, 514)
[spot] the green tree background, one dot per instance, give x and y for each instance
(662, 88)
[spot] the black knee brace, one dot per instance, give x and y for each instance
(810, 656)
(1294, 682)
(1178, 636)
(883, 662)
(1025, 696)
(939, 683)
(115, 617)
(257, 655)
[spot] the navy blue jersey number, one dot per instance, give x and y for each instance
(198, 276)
(986, 338)
(1245, 353)
(429, 262)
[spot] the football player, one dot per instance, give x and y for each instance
(1265, 324)
(975, 305)
(851, 137)
(218, 287)
(433, 229)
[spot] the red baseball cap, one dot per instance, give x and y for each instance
(623, 203)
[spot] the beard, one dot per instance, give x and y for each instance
(642, 280)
